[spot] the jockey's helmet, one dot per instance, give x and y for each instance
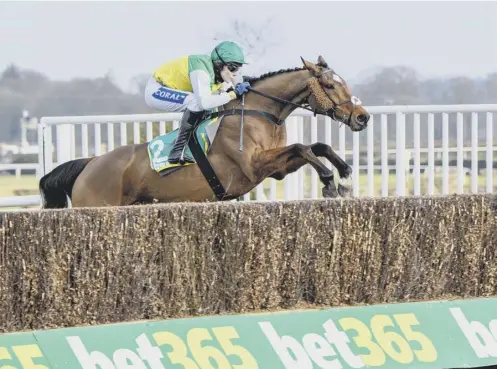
(228, 53)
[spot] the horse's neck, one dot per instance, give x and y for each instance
(290, 86)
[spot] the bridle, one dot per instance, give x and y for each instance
(344, 119)
(330, 112)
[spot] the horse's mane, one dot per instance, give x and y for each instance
(270, 74)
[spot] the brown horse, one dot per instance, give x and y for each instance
(124, 176)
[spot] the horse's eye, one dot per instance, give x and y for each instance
(329, 85)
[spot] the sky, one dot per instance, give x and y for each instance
(88, 39)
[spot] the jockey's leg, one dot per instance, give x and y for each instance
(165, 98)
(189, 121)
(171, 100)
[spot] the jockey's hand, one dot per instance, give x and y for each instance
(241, 88)
(226, 86)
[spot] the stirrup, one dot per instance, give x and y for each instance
(183, 156)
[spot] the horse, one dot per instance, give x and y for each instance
(124, 175)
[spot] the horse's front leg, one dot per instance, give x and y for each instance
(277, 163)
(320, 149)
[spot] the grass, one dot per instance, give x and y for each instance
(12, 186)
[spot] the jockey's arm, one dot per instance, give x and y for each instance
(201, 89)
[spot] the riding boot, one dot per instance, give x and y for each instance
(178, 153)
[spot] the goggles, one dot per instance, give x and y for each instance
(233, 67)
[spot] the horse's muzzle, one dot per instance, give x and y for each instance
(363, 119)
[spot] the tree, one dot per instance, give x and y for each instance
(391, 86)
(11, 72)
(491, 87)
(139, 83)
(463, 90)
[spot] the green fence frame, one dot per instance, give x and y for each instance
(435, 334)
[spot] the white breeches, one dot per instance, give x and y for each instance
(168, 99)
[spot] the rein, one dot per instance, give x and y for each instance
(271, 117)
(276, 120)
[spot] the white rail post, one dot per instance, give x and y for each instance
(460, 143)
(41, 150)
(417, 156)
(490, 154)
(445, 155)
(98, 140)
(63, 145)
(370, 143)
(431, 154)
(385, 175)
(400, 154)
(47, 147)
(474, 152)
(355, 163)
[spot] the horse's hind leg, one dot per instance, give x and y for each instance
(277, 163)
(102, 182)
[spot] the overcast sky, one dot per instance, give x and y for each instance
(87, 39)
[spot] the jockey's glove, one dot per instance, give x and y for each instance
(242, 88)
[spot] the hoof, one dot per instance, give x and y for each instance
(330, 191)
(344, 191)
(345, 186)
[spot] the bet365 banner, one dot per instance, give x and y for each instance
(444, 334)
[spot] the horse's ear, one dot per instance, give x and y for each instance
(310, 66)
(322, 62)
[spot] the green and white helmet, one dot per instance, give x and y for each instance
(228, 52)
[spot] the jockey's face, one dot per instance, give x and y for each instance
(229, 72)
(233, 67)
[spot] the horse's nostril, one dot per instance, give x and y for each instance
(363, 118)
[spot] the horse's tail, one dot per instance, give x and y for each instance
(57, 185)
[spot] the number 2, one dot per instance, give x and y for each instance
(160, 145)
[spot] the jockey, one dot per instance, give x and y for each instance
(193, 84)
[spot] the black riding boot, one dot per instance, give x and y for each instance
(178, 153)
